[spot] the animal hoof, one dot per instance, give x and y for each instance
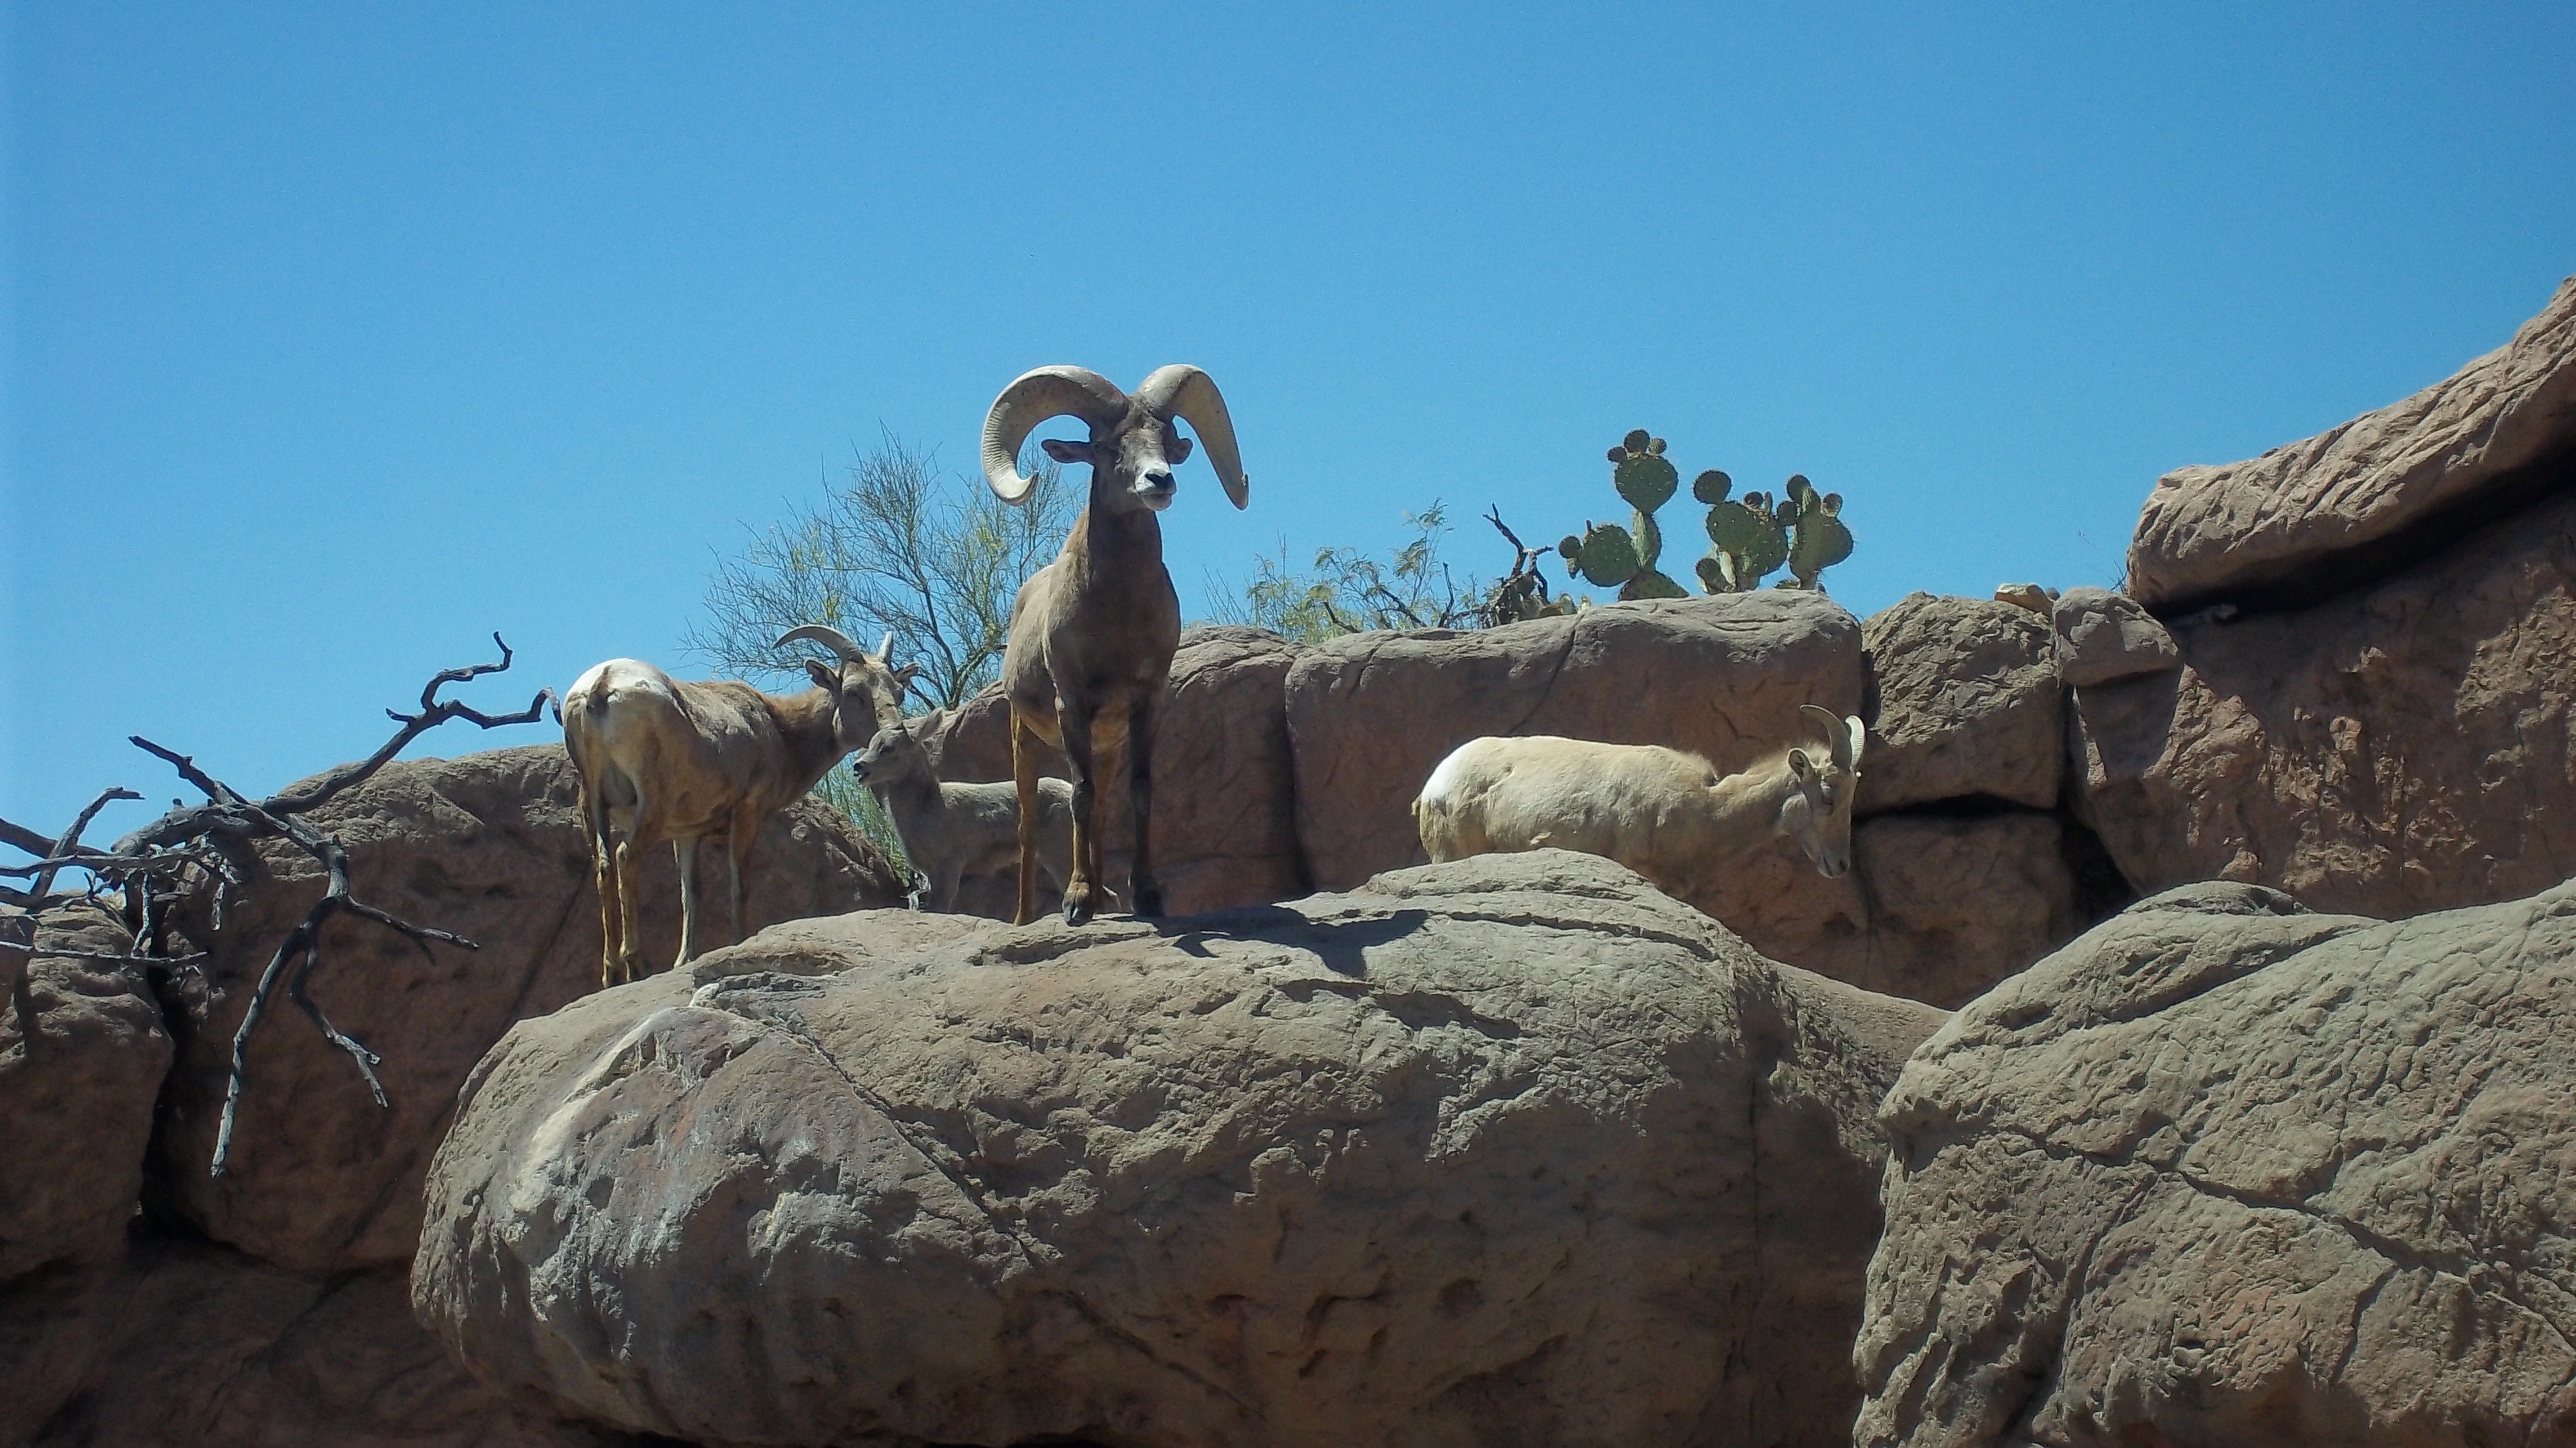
(1077, 907)
(1149, 900)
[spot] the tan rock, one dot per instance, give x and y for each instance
(2222, 1171)
(489, 846)
(1957, 904)
(183, 1343)
(2404, 747)
(76, 1094)
(2216, 532)
(1224, 812)
(1969, 705)
(1370, 715)
(1513, 1149)
(2103, 637)
(2024, 595)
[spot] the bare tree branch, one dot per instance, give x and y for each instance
(152, 863)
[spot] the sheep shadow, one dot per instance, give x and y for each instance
(1341, 945)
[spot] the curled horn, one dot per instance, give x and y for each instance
(830, 638)
(1032, 398)
(885, 649)
(1187, 393)
(1844, 735)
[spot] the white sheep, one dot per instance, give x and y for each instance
(1663, 813)
(951, 831)
(661, 759)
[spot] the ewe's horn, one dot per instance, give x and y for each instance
(1032, 398)
(1845, 735)
(1190, 395)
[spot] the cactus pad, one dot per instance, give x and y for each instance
(1608, 556)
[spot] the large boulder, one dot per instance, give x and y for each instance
(2305, 517)
(82, 1054)
(1371, 714)
(1958, 902)
(2403, 747)
(1225, 828)
(491, 847)
(1969, 705)
(2224, 1171)
(1509, 1150)
(187, 1343)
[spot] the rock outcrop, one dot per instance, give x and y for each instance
(2305, 519)
(489, 846)
(1225, 828)
(2224, 1171)
(1509, 1150)
(1370, 715)
(1969, 706)
(82, 1054)
(186, 1343)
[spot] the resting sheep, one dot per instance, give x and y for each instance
(1092, 633)
(1665, 814)
(951, 831)
(665, 760)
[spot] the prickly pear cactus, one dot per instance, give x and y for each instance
(1820, 539)
(1750, 537)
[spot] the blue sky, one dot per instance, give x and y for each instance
(338, 337)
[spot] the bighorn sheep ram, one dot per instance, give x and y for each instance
(1665, 814)
(954, 830)
(1092, 633)
(666, 760)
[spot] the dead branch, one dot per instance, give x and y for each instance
(151, 866)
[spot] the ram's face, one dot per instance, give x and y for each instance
(1132, 469)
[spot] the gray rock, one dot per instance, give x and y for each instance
(76, 1094)
(1509, 1150)
(2104, 636)
(2223, 1171)
(1969, 705)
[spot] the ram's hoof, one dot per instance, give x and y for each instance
(1077, 905)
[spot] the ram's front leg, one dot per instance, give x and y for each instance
(1075, 724)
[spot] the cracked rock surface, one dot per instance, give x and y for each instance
(489, 846)
(1513, 1150)
(2225, 1171)
(1371, 715)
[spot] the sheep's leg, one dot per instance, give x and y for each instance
(630, 940)
(1075, 727)
(686, 851)
(603, 867)
(1143, 890)
(943, 889)
(1024, 770)
(740, 836)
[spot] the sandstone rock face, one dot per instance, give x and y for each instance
(1370, 715)
(2210, 533)
(2104, 636)
(1969, 705)
(1225, 828)
(2223, 1171)
(489, 846)
(2401, 748)
(183, 1343)
(1956, 904)
(1509, 1150)
(76, 1093)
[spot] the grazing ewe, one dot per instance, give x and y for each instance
(666, 760)
(1665, 814)
(955, 830)
(1092, 633)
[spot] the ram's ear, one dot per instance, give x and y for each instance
(1177, 451)
(823, 674)
(1801, 768)
(1066, 452)
(928, 725)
